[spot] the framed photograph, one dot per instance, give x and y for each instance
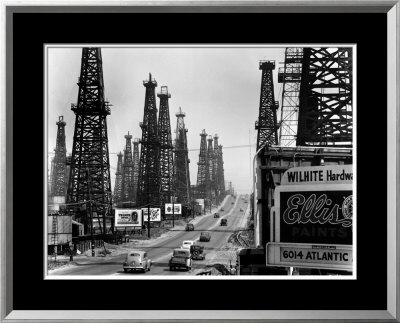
(153, 151)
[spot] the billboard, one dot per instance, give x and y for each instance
(177, 208)
(155, 214)
(312, 220)
(128, 218)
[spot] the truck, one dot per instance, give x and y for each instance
(181, 258)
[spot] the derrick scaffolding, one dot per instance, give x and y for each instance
(210, 180)
(90, 167)
(267, 123)
(127, 194)
(166, 161)
(148, 181)
(290, 76)
(59, 163)
(325, 107)
(182, 175)
(203, 170)
(118, 182)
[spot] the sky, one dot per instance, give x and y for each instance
(217, 87)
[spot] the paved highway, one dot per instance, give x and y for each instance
(160, 251)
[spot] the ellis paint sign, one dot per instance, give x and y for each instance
(313, 207)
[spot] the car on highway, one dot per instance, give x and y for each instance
(222, 209)
(137, 260)
(189, 227)
(216, 215)
(241, 210)
(186, 244)
(232, 203)
(197, 252)
(224, 222)
(205, 236)
(181, 258)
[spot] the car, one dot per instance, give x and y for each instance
(216, 215)
(197, 252)
(181, 258)
(241, 210)
(189, 227)
(224, 222)
(222, 209)
(137, 260)
(205, 236)
(232, 203)
(186, 244)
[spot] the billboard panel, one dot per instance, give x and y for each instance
(128, 217)
(155, 214)
(177, 208)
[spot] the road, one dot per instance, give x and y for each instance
(160, 251)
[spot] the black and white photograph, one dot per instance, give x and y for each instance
(200, 162)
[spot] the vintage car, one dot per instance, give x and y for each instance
(181, 258)
(222, 209)
(189, 227)
(241, 210)
(224, 222)
(205, 236)
(187, 243)
(197, 252)
(137, 260)
(216, 215)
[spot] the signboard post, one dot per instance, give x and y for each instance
(312, 220)
(172, 208)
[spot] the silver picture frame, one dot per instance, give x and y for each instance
(391, 8)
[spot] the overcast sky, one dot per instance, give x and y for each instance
(217, 88)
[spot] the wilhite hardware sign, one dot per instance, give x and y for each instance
(312, 256)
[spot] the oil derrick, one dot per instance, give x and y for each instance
(210, 164)
(215, 177)
(148, 183)
(166, 157)
(135, 166)
(118, 181)
(267, 123)
(59, 174)
(90, 166)
(182, 175)
(325, 108)
(221, 172)
(290, 76)
(202, 172)
(127, 174)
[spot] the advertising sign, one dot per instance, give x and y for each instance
(155, 214)
(177, 208)
(316, 216)
(332, 174)
(321, 256)
(128, 218)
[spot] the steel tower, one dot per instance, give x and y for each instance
(290, 76)
(202, 172)
(182, 175)
(135, 166)
(267, 123)
(128, 195)
(325, 109)
(90, 166)
(210, 165)
(216, 174)
(221, 172)
(148, 182)
(118, 181)
(166, 157)
(59, 174)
